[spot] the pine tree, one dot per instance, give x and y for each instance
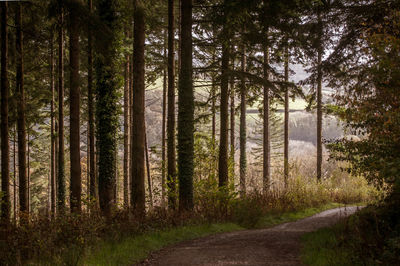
(138, 126)
(5, 146)
(106, 104)
(243, 134)
(61, 151)
(223, 142)
(92, 155)
(186, 110)
(74, 103)
(171, 158)
(21, 125)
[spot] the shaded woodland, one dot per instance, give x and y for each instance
(123, 116)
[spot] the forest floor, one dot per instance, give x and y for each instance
(279, 245)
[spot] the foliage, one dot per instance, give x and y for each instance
(372, 106)
(370, 237)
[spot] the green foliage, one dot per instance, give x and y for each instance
(370, 237)
(372, 104)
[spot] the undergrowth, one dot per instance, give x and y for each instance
(71, 239)
(370, 237)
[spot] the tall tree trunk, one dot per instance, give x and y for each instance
(15, 173)
(319, 101)
(61, 152)
(186, 111)
(21, 125)
(164, 115)
(92, 162)
(243, 134)
(223, 143)
(148, 172)
(232, 127)
(106, 106)
(29, 168)
(52, 134)
(74, 104)
(5, 145)
(126, 132)
(138, 127)
(213, 111)
(171, 158)
(286, 138)
(266, 131)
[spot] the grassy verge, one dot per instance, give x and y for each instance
(133, 249)
(370, 237)
(322, 247)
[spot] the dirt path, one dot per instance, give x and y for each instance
(279, 245)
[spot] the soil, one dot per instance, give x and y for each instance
(279, 245)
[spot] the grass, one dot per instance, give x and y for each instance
(322, 248)
(133, 249)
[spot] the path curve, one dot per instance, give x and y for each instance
(279, 245)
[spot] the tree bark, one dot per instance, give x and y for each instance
(138, 127)
(126, 132)
(164, 114)
(106, 107)
(171, 157)
(15, 174)
(92, 155)
(319, 101)
(61, 152)
(5, 145)
(243, 128)
(186, 111)
(232, 126)
(149, 183)
(74, 104)
(266, 131)
(286, 137)
(223, 143)
(21, 124)
(52, 134)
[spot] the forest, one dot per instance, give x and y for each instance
(200, 132)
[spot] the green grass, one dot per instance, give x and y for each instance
(322, 248)
(133, 249)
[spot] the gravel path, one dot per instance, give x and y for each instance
(279, 245)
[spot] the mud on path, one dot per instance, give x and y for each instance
(279, 245)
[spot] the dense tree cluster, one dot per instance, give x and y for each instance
(207, 54)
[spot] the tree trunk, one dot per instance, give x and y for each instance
(106, 107)
(171, 158)
(52, 134)
(232, 127)
(319, 102)
(266, 131)
(243, 134)
(186, 111)
(92, 155)
(61, 152)
(138, 127)
(286, 138)
(5, 145)
(126, 132)
(15, 173)
(29, 168)
(21, 125)
(164, 114)
(74, 104)
(223, 143)
(148, 172)
(213, 111)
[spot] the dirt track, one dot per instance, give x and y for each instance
(279, 245)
